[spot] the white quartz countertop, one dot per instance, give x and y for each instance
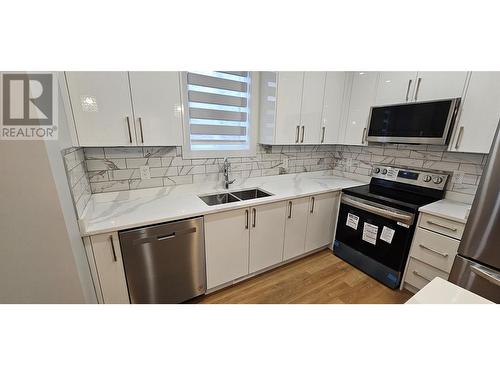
(444, 292)
(448, 209)
(108, 212)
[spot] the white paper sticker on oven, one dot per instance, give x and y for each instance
(370, 233)
(387, 234)
(352, 221)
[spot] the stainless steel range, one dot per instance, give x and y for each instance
(376, 222)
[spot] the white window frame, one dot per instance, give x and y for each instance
(253, 124)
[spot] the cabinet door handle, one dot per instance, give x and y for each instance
(312, 204)
(459, 137)
(303, 131)
(254, 217)
(140, 127)
(363, 136)
(441, 225)
(323, 135)
(444, 255)
(246, 219)
(408, 89)
(297, 134)
(420, 275)
(113, 248)
(290, 209)
(419, 80)
(129, 132)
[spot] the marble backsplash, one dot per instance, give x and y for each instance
(78, 180)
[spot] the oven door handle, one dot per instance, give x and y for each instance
(406, 219)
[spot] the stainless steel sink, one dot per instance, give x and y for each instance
(215, 199)
(250, 194)
(234, 196)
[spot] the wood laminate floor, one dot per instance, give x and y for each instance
(317, 278)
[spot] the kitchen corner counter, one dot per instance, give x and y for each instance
(108, 212)
(448, 209)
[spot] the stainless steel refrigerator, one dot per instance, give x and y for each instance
(477, 264)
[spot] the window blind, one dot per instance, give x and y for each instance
(218, 104)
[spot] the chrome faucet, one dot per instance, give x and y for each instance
(226, 167)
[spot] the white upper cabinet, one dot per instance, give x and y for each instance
(480, 113)
(439, 85)
(118, 109)
(333, 107)
(395, 87)
(288, 104)
(362, 98)
(312, 106)
(102, 108)
(157, 106)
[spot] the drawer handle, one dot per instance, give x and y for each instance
(422, 276)
(113, 248)
(489, 276)
(444, 255)
(441, 225)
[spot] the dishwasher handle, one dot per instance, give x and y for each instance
(176, 234)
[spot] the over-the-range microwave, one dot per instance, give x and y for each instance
(417, 123)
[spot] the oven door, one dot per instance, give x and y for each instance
(372, 230)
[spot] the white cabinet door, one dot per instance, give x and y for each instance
(288, 104)
(480, 114)
(320, 222)
(109, 264)
(333, 106)
(157, 108)
(439, 85)
(226, 246)
(362, 97)
(266, 235)
(395, 87)
(102, 108)
(312, 105)
(295, 227)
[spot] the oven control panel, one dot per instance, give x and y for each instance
(409, 176)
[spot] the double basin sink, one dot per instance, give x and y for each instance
(234, 196)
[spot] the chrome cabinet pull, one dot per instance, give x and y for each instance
(323, 135)
(113, 248)
(297, 134)
(444, 255)
(290, 209)
(303, 131)
(408, 88)
(418, 87)
(254, 217)
(489, 276)
(422, 276)
(459, 137)
(246, 219)
(129, 132)
(441, 225)
(140, 126)
(363, 136)
(312, 204)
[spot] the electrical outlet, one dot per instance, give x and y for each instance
(284, 163)
(458, 177)
(145, 173)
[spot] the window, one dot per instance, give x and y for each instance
(218, 114)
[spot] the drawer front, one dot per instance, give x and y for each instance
(434, 249)
(419, 274)
(440, 225)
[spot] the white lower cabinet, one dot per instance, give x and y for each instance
(266, 235)
(109, 265)
(295, 227)
(226, 246)
(320, 221)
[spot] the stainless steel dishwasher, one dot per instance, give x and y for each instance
(165, 263)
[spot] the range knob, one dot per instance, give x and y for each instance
(384, 171)
(437, 180)
(427, 178)
(376, 170)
